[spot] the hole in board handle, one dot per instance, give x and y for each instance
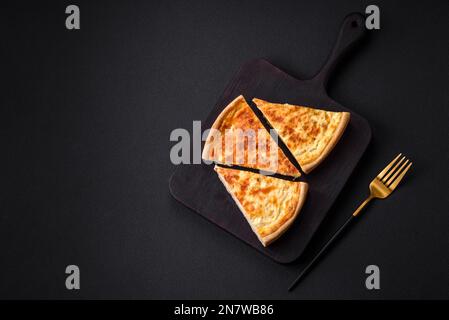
(354, 24)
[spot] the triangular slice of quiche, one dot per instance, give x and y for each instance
(309, 133)
(237, 137)
(270, 205)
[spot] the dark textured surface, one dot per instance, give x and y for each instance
(85, 147)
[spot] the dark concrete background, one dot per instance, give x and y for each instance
(86, 118)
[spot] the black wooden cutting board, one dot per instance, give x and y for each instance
(198, 187)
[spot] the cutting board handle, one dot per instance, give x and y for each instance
(351, 30)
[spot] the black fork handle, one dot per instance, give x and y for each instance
(320, 253)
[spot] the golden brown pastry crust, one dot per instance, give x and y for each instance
(238, 115)
(270, 205)
(309, 133)
(335, 138)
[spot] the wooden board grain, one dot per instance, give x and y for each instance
(198, 187)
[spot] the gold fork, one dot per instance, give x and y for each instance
(386, 181)
(381, 187)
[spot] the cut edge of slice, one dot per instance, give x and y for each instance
(266, 240)
(295, 172)
(309, 166)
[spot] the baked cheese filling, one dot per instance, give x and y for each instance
(310, 134)
(238, 137)
(269, 204)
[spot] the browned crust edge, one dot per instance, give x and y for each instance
(308, 167)
(273, 236)
(217, 125)
(332, 143)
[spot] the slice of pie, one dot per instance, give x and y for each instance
(237, 137)
(270, 205)
(309, 133)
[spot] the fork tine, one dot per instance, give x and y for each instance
(396, 173)
(384, 171)
(394, 170)
(398, 179)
